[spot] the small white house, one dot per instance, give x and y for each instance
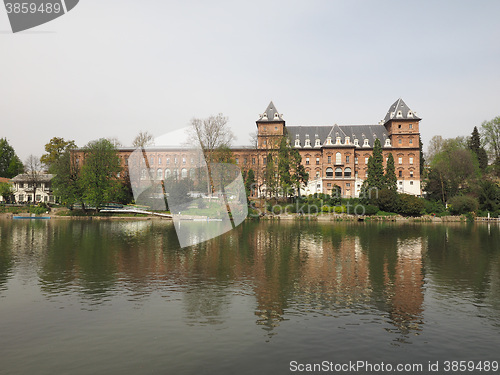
(24, 187)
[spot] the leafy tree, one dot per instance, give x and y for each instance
(6, 191)
(376, 179)
(489, 196)
(10, 164)
(462, 204)
(422, 157)
(491, 135)
(375, 167)
(474, 144)
(454, 171)
(250, 182)
(410, 205)
(284, 166)
(98, 178)
(271, 175)
(391, 181)
(54, 150)
(66, 182)
(387, 200)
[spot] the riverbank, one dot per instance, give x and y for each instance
(271, 217)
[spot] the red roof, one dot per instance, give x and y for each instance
(5, 179)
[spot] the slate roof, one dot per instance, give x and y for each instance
(359, 132)
(43, 177)
(270, 114)
(399, 110)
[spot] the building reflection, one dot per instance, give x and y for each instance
(286, 269)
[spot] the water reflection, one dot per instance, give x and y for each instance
(289, 270)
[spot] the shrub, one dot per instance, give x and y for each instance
(410, 205)
(340, 209)
(462, 204)
(387, 200)
(433, 207)
(370, 209)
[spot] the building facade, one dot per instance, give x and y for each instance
(25, 188)
(338, 154)
(333, 155)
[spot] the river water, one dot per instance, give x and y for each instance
(121, 297)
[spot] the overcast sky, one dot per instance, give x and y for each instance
(110, 68)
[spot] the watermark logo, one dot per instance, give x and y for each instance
(24, 15)
(206, 198)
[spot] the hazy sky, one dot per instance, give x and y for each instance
(110, 68)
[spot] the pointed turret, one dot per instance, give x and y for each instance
(400, 111)
(271, 114)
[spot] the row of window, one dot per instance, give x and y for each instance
(338, 160)
(159, 174)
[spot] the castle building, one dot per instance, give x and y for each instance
(333, 155)
(338, 154)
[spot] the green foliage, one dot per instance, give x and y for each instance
(474, 144)
(38, 210)
(489, 196)
(66, 182)
(98, 179)
(250, 182)
(391, 181)
(6, 191)
(10, 164)
(178, 191)
(370, 209)
(490, 131)
(410, 205)
(462, 204)
(422, 158)
(434, 207)
(376, 177)
(54, 150)
(387, 200)
(454, 171)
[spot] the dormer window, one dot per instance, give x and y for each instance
(392, 114)
(308, 141)
(329, 140)
(347, 140)
(356, 142)
(317, 143)
(297, 142)
(365, 143)
(410, 114)
(387, 143)
(338, 141)
(400, 114)
(276, 115)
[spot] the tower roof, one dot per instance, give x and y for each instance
(399, 110)
(271, 114)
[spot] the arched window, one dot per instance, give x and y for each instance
(167, 173)
(338, 172)
(329, 172)
(338, 158)
(347, 172)
(159, 173)
(184, 173)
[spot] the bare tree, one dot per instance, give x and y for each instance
(143, 139)
(115, 141)
(210, 135)
(33, 170)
